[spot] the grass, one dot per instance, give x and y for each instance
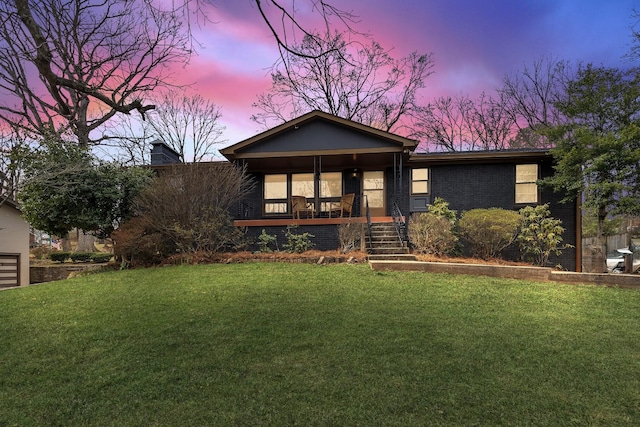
(298, 344)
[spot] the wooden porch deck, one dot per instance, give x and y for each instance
(306, 221)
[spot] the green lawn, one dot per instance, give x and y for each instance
(295, 344)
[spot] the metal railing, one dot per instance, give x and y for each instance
(244, 210)
(398, 222)
(368, 214)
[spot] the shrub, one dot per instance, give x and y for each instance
(267, 241)
(189, 205)
(350, 236)
(540, 235)
(136, 243)
(431, 234)
(101, 257)
(59, 256)
(297, 243)
(80, 256)
(489, 231)
(41, 252)
(440, 208)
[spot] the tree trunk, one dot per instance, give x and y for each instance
(66, 244)
(601, 258)
(86, 242)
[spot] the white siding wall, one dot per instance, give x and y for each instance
(14, 238)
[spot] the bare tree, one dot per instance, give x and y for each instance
(360, 82)
(93, 60)
(188, 124)
(460, 123)
(72, 65)
(490, 123)
(11, 153)
(531, 94)
(443, 124)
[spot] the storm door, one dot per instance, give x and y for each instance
(373, 189)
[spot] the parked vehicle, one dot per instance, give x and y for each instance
(615, 261)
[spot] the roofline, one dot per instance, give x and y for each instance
(404, 142)
(349, 151)
(10, 202)
(478, 156)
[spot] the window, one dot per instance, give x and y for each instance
(278, 189)
(526, 183)
(420, 181)
(330, 187)
(302, 184)
(331, 184)
(373, 188)
(275, 193)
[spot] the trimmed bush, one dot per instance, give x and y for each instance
(59, 256)
(80, 256)
(431, 234)
(489, 231)
(41, 252)
(101, 257)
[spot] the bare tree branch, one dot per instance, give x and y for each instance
(360, 82)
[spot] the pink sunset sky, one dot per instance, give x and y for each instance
(474, 42)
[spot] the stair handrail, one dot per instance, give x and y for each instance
(398, 221)
(368, 215)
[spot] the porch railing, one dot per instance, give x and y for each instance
(244, 210)
(399, 222)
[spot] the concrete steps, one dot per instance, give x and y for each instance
(385, 245)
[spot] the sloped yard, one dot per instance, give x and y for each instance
(302, 344)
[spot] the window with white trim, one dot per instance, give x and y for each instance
(420, 181)
(526, 183)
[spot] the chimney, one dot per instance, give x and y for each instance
(162, 154)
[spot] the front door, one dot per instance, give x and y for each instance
(373, 189)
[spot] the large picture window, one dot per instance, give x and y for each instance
(527, 183)
(331, 184)
(420, 181)
(278, 189)
(302, 184)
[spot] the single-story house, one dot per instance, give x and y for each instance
(318, 171)
(14, 246)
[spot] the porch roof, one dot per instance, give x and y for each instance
(318, 134)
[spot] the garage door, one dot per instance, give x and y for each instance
(9, 270)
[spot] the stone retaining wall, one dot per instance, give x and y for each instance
(512, 272)
(50, 273)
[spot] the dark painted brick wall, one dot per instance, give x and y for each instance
(470, 186)
(325, 236)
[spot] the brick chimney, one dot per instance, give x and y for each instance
(162, 154)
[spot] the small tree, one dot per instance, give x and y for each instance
(489, 231)
(540, 235)
(65, 187)
(440, 208)
(267, 241)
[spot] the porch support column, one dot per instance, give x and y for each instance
(317, 167)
